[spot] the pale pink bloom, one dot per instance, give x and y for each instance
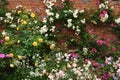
(7, 56)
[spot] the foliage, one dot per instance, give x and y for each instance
(3, 10)
(30, 47)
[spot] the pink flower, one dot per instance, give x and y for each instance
(1, 41)
(102, 15)
(86, 61)
(100, 42)
(106, 76)
(74, 55)
(91, 31)
(94, 50)
(96, 69)
(104, 12)
(112, 25)
(114, 49)
(97, 2)
(95, 64)
(2, 55)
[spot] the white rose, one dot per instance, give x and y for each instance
(75, 15)
(8, 14)
(51, 77)
(76, 11)
(44, 20)
(69, 25)
(106, 16)
(69, 20)
(78, 30)
(85, 50)
(103, 19)
(4, 33)
(52, 29)
(49, 13)
(106, 2)
(74, 65)
(13, 25)
(43, 29)
(57, 15)
(117, 20)
(83, 21)
(1, 18)
(82, 11)
(101, 6)
(51, 19)
(73, 27)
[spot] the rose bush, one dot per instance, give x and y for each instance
(30, 47)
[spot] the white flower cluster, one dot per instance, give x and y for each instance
(104, 5)
(117, 20)
(9, 17)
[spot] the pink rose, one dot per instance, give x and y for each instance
(114, 49)
(74, 55)
(102, 15)
(112, 25)
(94, 50)
(104, 12)
(97, 2)
(100, 42)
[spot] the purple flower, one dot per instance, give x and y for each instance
(2, 55)
(115, 78)
(102, 65)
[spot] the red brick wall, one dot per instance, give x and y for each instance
(38, 6)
